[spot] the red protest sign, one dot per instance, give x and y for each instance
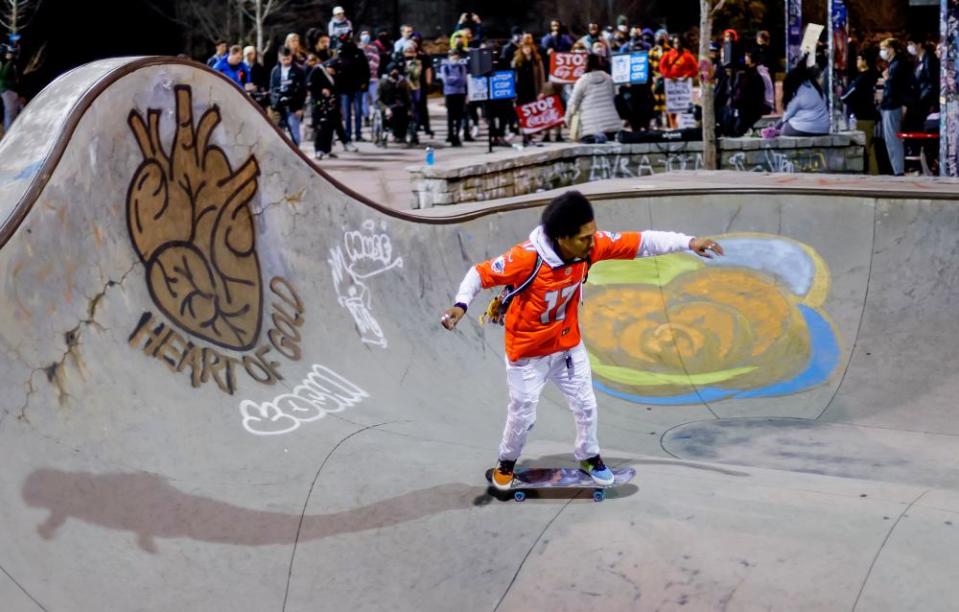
(566, 67)
(540, 115)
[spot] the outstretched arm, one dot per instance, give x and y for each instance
(659, 243)
(471, 285)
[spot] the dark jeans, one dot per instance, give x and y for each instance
(455, 108)
(351, 105)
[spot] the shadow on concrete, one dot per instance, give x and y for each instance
(148, 506)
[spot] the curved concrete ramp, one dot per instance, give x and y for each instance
(225, 385)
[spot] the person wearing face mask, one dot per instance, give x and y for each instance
(896, 97)
(394, 101)
(338, 26)
(860, 101)
(372, 53)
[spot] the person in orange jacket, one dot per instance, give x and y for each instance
(545, 275)
(678, 62)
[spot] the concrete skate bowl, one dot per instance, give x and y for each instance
(225, 385)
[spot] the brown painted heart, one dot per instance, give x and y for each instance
(190, 222)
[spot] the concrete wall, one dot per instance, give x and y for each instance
(507, 174)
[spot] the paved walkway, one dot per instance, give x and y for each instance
(382, 175)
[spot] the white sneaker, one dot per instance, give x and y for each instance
(319, 155)
(474, 131)
(350, 147)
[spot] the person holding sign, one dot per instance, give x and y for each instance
(678, 64)
(593, 98)
(530, 76)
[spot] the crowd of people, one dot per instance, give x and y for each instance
(349, 82)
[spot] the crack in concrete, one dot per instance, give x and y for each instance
(306, 503)
(54, 371)
(20, 586)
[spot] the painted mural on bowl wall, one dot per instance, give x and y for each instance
(677, 329)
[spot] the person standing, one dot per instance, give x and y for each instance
(220, 53)
(339, 26)
(325, 116)
(659, 84)
(454, 75)
(353, 77)
(413, 71)
(530, 76)
(288, 93)
(259, 77)
(8, 87)
(896, 96)
(543, 341)
(926, 73)
(234, 67)
(406, 37)
(427, 74)
(860, 100)
(372, 53)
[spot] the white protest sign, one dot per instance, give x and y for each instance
(810, 39)
(679, 95)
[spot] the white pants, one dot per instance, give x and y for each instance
(570, 371)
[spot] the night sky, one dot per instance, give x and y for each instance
(80, 32)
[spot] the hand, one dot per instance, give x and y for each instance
(326, 92)
(452, 316)
(299, 114)
(389, 113)
(702, 246)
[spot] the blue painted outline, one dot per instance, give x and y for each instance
(823, 360)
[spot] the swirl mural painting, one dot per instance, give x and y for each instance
(677, 329)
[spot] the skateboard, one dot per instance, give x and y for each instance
(561, 478)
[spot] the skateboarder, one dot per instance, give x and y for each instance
(542, 330)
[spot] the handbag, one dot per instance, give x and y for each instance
(575, 126)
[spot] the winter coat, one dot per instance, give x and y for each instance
(289, 94)
(678, 64)
(594, 97)
(239, 74)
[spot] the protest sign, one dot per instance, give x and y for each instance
(566, 67)
(679, 95)
(540, 115)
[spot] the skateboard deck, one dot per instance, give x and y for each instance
(562, 478)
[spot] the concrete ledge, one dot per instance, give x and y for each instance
(507, 173)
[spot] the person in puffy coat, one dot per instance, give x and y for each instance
(594, 98)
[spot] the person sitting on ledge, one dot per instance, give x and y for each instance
(806, 113)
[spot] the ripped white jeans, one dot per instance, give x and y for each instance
(570, 371)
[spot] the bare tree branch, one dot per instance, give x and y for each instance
(719, 6)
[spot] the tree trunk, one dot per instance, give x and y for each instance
(259, 29)
(707, 79)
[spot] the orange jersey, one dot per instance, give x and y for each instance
(544, 317)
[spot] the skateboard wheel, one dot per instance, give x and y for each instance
(599, 495)
(519, 496)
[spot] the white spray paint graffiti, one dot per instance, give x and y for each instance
(619, 166)
(781, 163)
(364, 255)
(322, 391)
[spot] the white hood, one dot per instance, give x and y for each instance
(544, 247)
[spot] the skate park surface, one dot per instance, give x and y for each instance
(225, 385)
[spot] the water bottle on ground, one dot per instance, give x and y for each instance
(430, 156)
